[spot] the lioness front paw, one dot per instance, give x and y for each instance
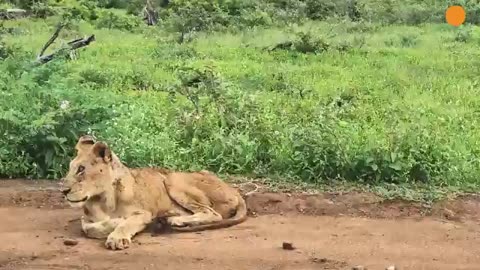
(115, 242)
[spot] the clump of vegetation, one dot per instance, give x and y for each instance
(111, 20)
(463, 35)
(303, 43)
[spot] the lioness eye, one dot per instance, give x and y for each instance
(80, 169)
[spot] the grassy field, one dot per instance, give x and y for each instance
(389, 106)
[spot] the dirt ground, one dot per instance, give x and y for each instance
(328, 231)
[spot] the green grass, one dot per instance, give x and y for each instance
(408, 116)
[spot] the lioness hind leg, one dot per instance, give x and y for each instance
(202, 213)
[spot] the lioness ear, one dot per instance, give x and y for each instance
(86, 139)
(101, 150)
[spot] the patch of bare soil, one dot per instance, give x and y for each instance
(326, 231)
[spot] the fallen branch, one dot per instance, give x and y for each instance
(72, 45)
(13, 13)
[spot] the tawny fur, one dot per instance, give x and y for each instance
(119, 202)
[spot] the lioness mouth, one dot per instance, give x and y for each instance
(77, 201)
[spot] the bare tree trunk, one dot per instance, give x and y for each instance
(150, 15)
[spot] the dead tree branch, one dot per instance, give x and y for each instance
(51, 40)
(71, 46)
(12, 13)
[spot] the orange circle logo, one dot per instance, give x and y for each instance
(455, 15)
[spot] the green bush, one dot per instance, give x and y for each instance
(463, 35)
(83, 11)
(41, 10)
(112, 20)
(27, 4)
(40, 122)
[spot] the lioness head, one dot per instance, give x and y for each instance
(90, 173)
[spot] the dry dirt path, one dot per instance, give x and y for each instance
(328, 231)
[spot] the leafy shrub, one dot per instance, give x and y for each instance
(118, 4)
(403, 41)
(417, 14)
(96, 77)
(112, 20)
(41, 10)
(408, 40)
(321, 9)
(303, 42)
(39, 124)
(84, 11)
(463, 35)
(280, 82)
(185, 17)
(27, 4)
(353, 10)
(196, 83)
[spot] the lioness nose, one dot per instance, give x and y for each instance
(65, 191)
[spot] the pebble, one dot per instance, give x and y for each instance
(319, 260)
(391, 268)
(288, 246)
(70, 242)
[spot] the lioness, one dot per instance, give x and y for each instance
(118, 202)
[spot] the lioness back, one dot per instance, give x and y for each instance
(150, 191)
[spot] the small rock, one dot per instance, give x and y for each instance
(70, 242)
(449, 214)
(288, 246)
(391, 268)
(359, 267)
(319, 260)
